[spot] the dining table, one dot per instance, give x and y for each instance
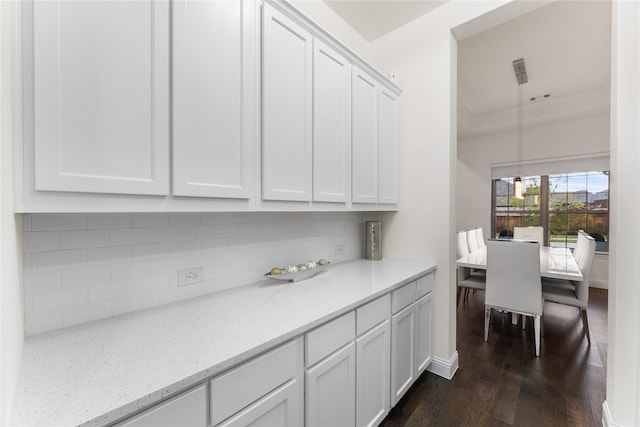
(555, 262)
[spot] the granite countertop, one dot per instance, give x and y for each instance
(100, 372)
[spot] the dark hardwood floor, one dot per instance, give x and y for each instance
(502, 383)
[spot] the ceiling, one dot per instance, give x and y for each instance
(375, 18)
(567, 49)
(566, 46)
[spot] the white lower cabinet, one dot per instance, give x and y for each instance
(373, 375)
(403, 345)
(267, 390)
(188, 409)
(423, 333)
(281, 407)
(331, 390)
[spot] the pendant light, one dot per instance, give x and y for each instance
(521, 77)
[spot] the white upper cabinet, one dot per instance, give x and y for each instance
(331, 124)
(364, 140)
(387, 147)
(214, 98)
(101, 96)
(286, 108)
(375, 141)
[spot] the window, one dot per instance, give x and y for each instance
(561, 203)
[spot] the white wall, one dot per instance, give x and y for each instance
(622, 406)
(477, 154)
(11, 304)
(84, 267)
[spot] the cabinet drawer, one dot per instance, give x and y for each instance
(245, 384)
(400, 298)
(188, 409)
(373, 313)
(329, 337)
(425, 285)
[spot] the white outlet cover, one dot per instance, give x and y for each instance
(190, 276)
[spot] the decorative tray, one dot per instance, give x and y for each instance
(296, 276)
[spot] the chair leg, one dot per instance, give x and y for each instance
(487, 319)
(458, 296)
(536, 327)
(585, 323)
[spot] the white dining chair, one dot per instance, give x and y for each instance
(465, 279)
(513, 282)
(480, 238)
(581, 245)
(472, 241)
(531, 234)
(572, 293)
(462, 247)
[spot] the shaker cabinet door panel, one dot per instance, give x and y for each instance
(373, 376)
(364, 141)
(388, 147)
(403, 344)
(101, 96)
(286, 108)
(331, 124)
(331, 390)
(214, 98)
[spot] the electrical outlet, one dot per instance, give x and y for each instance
(339, 250)
(189, 276)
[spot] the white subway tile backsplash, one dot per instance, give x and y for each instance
(86, 313)
(63, 298)
(35, 283)
(109, 254)
(73, 239)
(130, 270)
(43, 322)
(151, 250)
(109, 220)
(184, 218)
(86, 276)
(26, 222)
(110, 290)
(153, 219)
(213, 217)
(131, 303)
(42, 241)
(49, 222)
(129, 236)
(83, 267)
(50, 260)
(166, 296)
(151, 283)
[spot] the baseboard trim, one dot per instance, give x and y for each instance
(607, 421)
(600, 284)
(443, 367)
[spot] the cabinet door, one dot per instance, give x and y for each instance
(101, 96)
(279, 408)
(286, 114)
(214, 98)
(331, 124)
(373, 376)
(403, 350)
(189, 409)
(423, 333)
(364, 133)
(331, 390)
(388, 147)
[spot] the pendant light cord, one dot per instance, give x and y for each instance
(520, 127)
